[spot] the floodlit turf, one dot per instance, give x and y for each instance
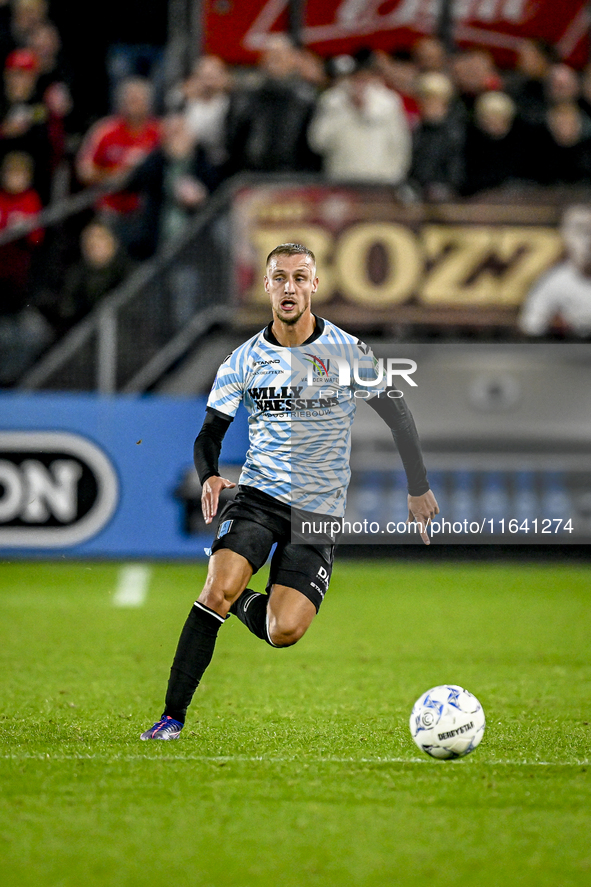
(296, 766)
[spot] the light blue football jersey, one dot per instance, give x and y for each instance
(301, 403)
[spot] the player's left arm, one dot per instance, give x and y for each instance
(422, 504)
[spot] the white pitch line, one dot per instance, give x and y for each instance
(256, 759)
(132, 585)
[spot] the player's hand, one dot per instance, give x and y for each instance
(422, 509)
(210, 496)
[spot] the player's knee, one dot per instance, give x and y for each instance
(216, 595)
(285, 632)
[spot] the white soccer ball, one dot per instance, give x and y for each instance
(447, 722)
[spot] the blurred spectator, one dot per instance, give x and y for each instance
(268, 121)
(18, 202)
(527, 86)
(561, 300)
(428, 54)
(360, 130)
(494, 144)
(27, 16)
(24, 118)
(52, 87)
(207, 102)
(173, 181)
(438, 141)
(474, 73)
(114, 147)
(559, 153)
(53, 76)
(562, 85)
(399, 73)
(103, 265)
(23, 331)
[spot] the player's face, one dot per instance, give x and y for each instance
(290, 282)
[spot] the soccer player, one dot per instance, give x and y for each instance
(298, 459)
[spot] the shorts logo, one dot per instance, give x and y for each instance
(323, 574)
(224, 528)
(321, 591)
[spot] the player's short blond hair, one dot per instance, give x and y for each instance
(291, 249)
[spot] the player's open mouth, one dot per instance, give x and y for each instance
(287, 304)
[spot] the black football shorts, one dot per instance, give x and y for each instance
(252, 523)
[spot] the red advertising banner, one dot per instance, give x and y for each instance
(237, 30)
(382, 263)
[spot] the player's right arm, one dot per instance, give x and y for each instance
(206, 452)
(224, 399)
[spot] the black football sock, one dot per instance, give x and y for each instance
(251, 608)
(193, 655)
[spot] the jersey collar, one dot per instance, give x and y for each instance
(318, 330)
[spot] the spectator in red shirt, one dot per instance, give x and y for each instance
(115, 146)
(18, 202)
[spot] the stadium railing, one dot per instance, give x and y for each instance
(139, 330)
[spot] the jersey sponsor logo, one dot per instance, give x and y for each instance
(287, 400)
(56, 489)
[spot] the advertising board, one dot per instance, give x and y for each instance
(504, 429)
(387, 263)
(237, 31)
(101, 477)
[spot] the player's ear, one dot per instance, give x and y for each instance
(314, 284)
(266, 282)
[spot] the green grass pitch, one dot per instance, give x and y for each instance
(296, 766)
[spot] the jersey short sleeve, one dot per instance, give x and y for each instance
(228, 388)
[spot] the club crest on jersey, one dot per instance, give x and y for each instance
(320, 366)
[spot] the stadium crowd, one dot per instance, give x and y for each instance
(433, 124)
